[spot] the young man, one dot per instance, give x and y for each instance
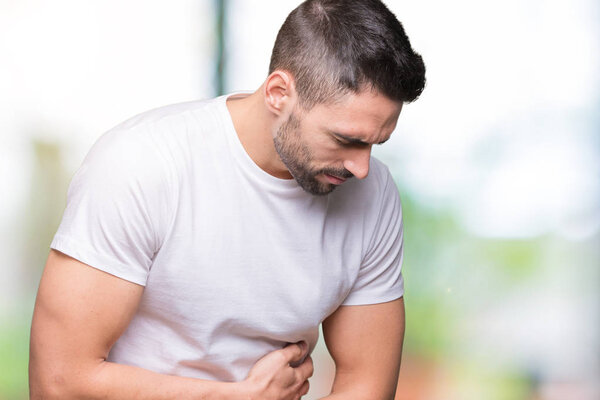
(203, 243)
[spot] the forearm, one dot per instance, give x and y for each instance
(352, 393)
(107, 380)
(342, 396)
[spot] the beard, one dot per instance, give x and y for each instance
(297, 158)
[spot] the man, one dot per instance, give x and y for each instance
(203, 243)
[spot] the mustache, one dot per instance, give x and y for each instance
(341, 173)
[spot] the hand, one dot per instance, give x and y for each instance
(272, 377)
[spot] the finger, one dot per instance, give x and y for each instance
(305, 370)
(295, 352)
(304, 388)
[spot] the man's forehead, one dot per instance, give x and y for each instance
(365, 103)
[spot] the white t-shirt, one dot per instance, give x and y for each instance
(235, 262)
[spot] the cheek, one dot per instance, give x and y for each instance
(327, 156)
(324, 151)
(326, 146)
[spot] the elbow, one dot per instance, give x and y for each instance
(51, 383)
(52, 376)
(39, 392)
(40, 389)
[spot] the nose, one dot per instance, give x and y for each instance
(358, 162)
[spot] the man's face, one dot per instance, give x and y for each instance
(330, 143)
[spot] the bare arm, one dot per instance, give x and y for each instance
(365, 343)
(79, 314)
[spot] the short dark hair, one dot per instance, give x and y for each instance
(333, 47)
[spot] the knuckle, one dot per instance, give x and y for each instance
(280, 357)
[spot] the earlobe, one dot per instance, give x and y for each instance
(279, 91)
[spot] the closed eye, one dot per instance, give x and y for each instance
(340, 141)
(348, 141)
(353, 144)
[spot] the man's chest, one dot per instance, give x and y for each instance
(223, 300)
(265, 270)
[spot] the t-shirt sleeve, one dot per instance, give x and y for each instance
(380, 276)
(117, 208)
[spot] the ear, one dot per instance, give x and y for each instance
(280, 92)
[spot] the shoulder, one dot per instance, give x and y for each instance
(379, 177)
(167, 113)
(367, 200)
(371, 189)
(155, 141)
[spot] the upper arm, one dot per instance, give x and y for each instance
(365, 343)
(79, 313)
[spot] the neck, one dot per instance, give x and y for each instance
(255, 125)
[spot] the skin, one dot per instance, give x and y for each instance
(365, 343)
(71, 339)
(336, 137)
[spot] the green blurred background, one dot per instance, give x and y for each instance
(498, 166)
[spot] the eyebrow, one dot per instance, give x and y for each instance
(354, 140)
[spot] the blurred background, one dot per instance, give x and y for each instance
(498, 166)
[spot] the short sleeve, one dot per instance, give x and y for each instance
(117, 209)
(380, 276)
